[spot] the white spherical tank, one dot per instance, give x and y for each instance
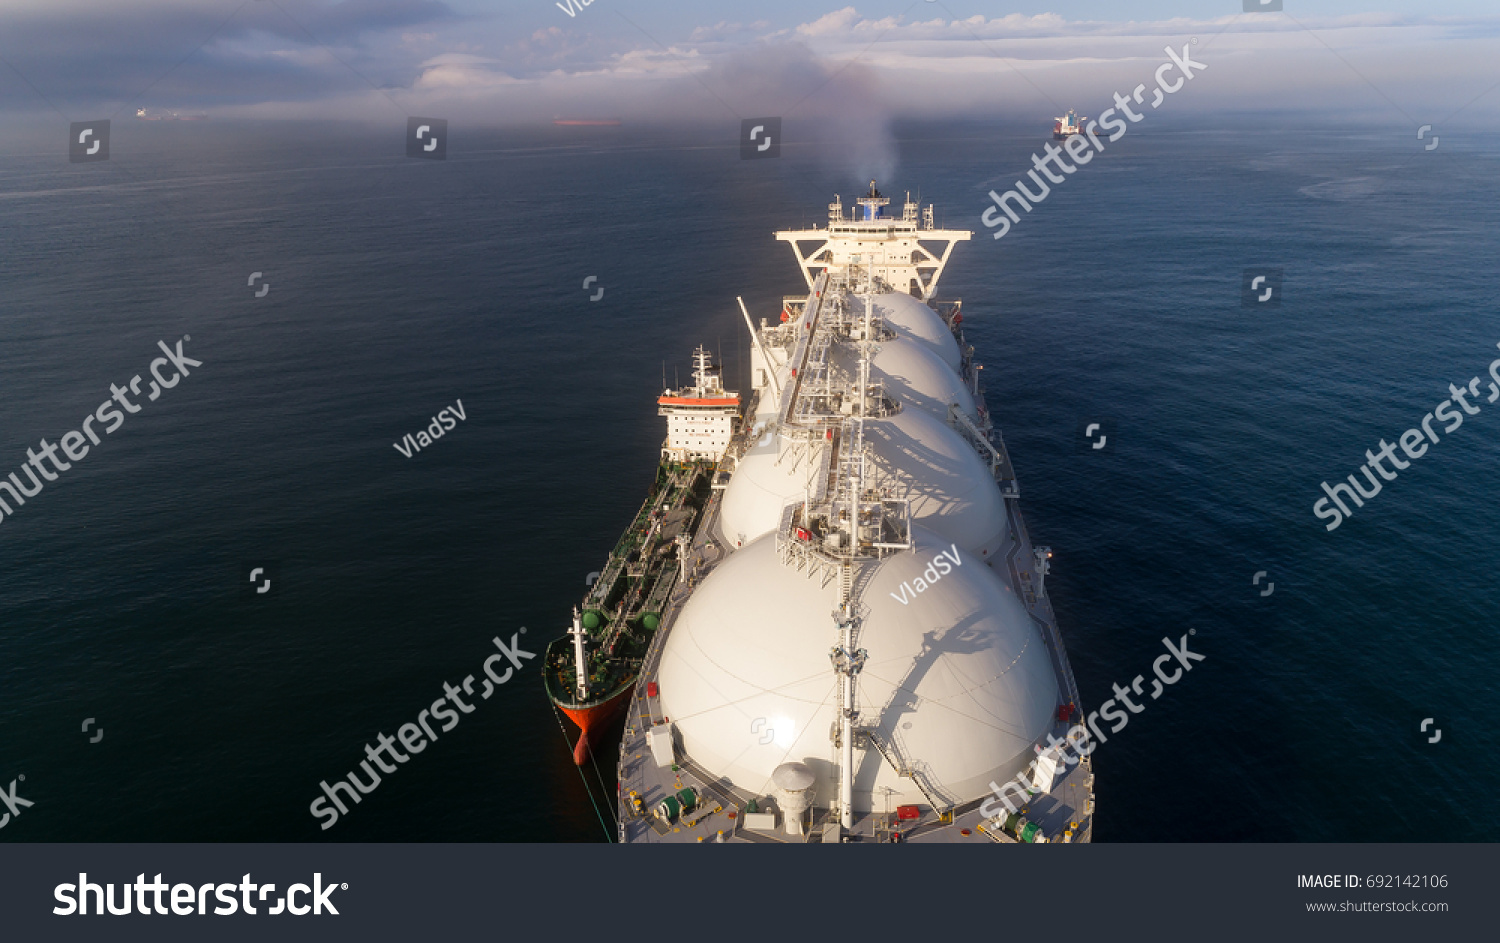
(762, 483)
(912, 318)
(958, 681)
(951, 488)
(912, 374)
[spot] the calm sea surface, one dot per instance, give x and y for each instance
(399, 286)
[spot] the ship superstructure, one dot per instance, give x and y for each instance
(853, 244)
(860, 643)
(1067, 126)
(700, 418)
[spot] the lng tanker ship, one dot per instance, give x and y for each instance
(855, 643)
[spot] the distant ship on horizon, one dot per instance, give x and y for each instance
(160, 114)
(1067, 126)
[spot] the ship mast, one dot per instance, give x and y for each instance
(703, 379)
(580, 660)
(848, 661)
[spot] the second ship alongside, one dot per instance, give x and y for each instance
(828, 618)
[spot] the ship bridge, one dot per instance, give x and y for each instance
(909, 252)
(700, 418)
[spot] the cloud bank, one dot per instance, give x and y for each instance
(844, 73)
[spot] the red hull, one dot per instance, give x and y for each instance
(592, 720)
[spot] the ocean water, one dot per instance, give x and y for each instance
(399, 286)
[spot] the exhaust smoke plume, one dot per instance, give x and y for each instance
(836, 108)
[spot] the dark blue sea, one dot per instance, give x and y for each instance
(400, 286)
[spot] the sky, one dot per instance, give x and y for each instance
(691, 61)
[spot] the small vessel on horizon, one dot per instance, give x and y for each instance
(1068, 125)
(160, 114)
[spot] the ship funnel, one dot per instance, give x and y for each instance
(795, 786)
(872, 203)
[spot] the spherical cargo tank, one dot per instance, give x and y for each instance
(763, 480)
(951, 489)
(761, 372)
(913, 375)
(912, 318)
(762, 483)
(958, 681)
